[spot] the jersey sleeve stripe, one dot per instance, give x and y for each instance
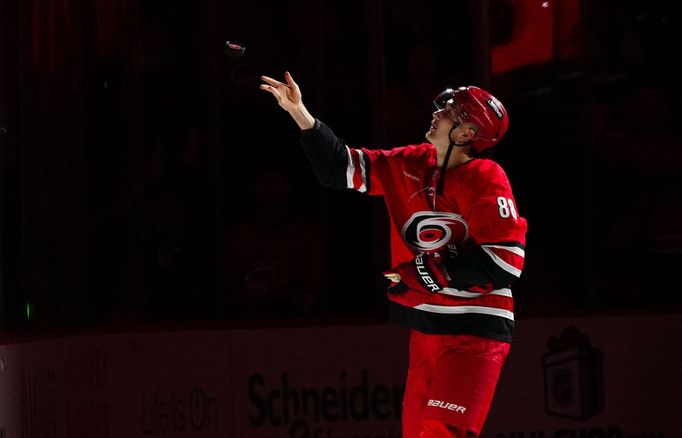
(501, 263)
(363, 171)
(515, 249)
(350, 169)
(356, 177)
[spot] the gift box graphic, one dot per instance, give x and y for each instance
(573, 370)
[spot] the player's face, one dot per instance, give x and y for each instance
(441, 131)
(441, 125)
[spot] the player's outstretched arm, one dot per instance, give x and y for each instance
(326, 152)
(288, 96)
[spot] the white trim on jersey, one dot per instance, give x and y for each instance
(505, 292)
(466, 309)
(363, 170)
(350, 171)
(515, 249)
(501, 263)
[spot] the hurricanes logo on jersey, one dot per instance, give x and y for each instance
(428, 231)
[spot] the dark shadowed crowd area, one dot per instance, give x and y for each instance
(145, 178)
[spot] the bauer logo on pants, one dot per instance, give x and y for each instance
(446, 405)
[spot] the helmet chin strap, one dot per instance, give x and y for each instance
(441, 180)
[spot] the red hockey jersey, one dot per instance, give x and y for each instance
(475, 217)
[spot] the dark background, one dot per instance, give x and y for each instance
(139, 166)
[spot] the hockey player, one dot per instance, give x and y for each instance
(457, 244)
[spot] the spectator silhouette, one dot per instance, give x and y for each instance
(175, 232)
(274, 257)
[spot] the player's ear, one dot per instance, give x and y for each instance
(465, 134)
(469, 133)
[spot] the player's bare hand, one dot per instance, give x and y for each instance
(287, 93)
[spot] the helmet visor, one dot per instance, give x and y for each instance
(448, 103)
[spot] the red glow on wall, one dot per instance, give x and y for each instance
(542, 31)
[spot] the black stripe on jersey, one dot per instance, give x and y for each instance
(478, 269)
(327, 154)
(486, 326)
